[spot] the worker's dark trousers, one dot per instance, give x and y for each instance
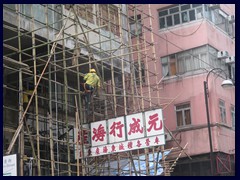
(88, 97)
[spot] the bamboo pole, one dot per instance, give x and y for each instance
(77, 131)
(21, 137)
(36, 96)
(51, 145)
(49, 100)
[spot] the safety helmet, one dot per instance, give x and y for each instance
(92, 71)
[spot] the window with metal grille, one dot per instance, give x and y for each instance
(183, 113)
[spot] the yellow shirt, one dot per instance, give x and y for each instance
(92, 79)
(25, 95)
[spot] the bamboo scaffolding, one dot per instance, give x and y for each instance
(61, 89)
(30, 100)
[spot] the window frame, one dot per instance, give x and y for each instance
(164, 14)
(232, 110)
(222, 111)
(183, 112)
(135, 25)
(192, 60)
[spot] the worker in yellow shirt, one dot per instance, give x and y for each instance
(92, 83)
(26, 96)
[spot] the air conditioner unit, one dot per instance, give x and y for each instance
(214, 6)
(168, 137)
(222, 54)
(230, 60)
(231, 19)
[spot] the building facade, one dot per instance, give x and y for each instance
(148, 57)
(191, 40)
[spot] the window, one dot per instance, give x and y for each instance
(183, 115)
(176, 19)
(222, 111)
(169, 21)
(169, 65)
(173, 69)
(38, 11)
(85, 11)
(233, 116)
(165, 70)
(184, 17)
(135, 25)
(180, 14)
(220, 19)
(203, 57)
(108, 15)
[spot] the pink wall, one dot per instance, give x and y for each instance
(220, 40)
(191, 88)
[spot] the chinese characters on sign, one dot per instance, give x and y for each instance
(154, 122)
(134, 125)
(131, 132)
(10, 164)
(79, 139)
(116, 130)
(128, 145)
(99, 133)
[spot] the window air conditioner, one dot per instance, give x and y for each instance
(222, 54)
(168, 137)
(214, 6)
(231, 19)
(230, 60)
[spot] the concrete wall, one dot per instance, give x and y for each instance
(92, 37)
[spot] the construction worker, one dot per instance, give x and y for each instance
(26, 96)
(92, 83)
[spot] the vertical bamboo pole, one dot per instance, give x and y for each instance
(21, 137)
(154, 53)
(131, 67)
(163, 160)
(147, 77)
(139, 58)
(51, 144)
(36, 94)
(89, 59)
(77, 140)
(80, 114)
(122, 58)
(112, 67)
(97, 6)
(66, 98)
(132, 75)
(50, 97)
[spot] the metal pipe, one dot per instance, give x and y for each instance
(208, 123)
